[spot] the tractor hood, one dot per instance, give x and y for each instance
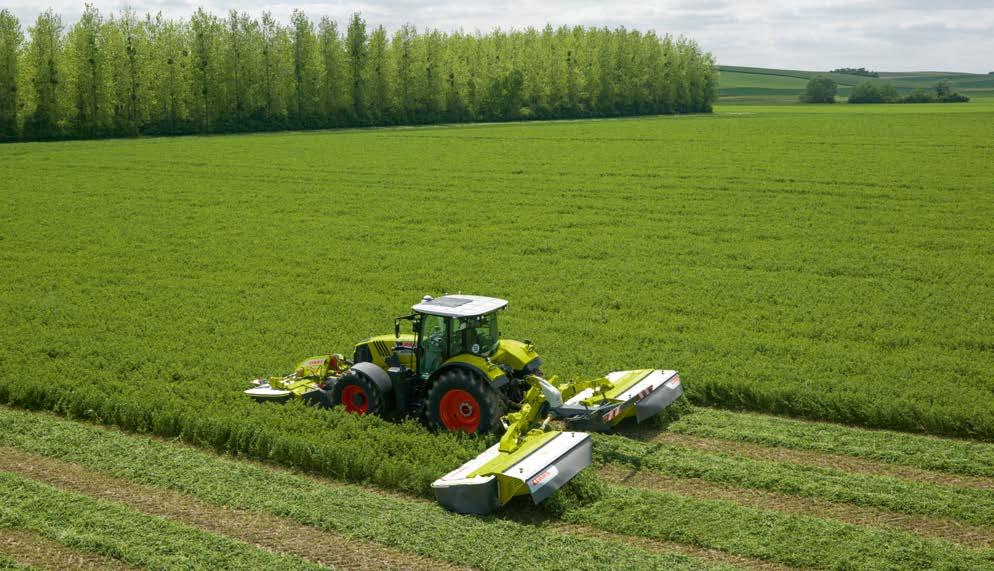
(517, 355)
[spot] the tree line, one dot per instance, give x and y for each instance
(129, 75)
(856, 71)
(869, 92)
(822, 89)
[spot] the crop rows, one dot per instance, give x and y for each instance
(944, 454)
(123, 534)
(969, 505)
(417, 526)
(741, 531)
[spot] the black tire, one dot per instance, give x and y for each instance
(362, 395)
(457, 411)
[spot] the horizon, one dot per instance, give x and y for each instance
(958, 38)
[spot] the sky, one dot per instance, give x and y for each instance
(919, 35)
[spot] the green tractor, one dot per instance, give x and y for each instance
(455, 372)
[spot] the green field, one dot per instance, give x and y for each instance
(792, 262)
(739, 84)
(830, 263)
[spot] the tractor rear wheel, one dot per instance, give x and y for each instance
(460, 401)
(357, 394)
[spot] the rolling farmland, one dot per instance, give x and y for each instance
(762, 85)
(824, 264)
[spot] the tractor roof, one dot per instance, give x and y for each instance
(459, 305)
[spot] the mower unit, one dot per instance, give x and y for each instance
(455, 372)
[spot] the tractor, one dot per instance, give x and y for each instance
(454, 372)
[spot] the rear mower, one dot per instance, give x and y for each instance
(453, 371)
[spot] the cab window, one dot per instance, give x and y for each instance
(434, 340)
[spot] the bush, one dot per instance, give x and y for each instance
(869, 92)
(919, 95)
(953, 98)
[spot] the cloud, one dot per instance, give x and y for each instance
(890, 35)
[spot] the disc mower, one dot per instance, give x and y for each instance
(454, 371)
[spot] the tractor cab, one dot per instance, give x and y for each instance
(453, 325)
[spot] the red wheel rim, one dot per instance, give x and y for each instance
(459, 411)
(354, 399)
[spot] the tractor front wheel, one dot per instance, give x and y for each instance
(462, 402)
(357, 394)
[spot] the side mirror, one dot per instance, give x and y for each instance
(396, 328)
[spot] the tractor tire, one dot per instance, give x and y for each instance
(462, 401)
(357, 395)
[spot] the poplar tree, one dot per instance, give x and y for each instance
(205, 50)
(306, 71)
(170, 76)
(357, 52)
(381, 106)
(334, 96)
(402, 48)
(44, 59)
(85, 77)
(11, 39)
(241, 56)
(126, 47)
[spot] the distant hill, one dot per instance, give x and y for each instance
(759, 84)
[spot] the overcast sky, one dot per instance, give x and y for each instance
(949, 35)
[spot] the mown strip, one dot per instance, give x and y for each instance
(33, 550)
(272, 533)
(929, 526)
(488, 542)
(765, 534)
(926, 452)
(737, 561)
(812, 458)
(965, 504)
(407, 524)
(114, 531)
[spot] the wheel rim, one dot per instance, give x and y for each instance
(355, 400)
(459, 410)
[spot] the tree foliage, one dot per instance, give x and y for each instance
(112, 75)
(870, 92)
(820, 89)
(856, 71)
(11, 40)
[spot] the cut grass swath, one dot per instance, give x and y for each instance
(276, 534)
(135, 538)
(35, 550)
(396, 521)
(929, 453)
(975, 506)
(774, 536)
